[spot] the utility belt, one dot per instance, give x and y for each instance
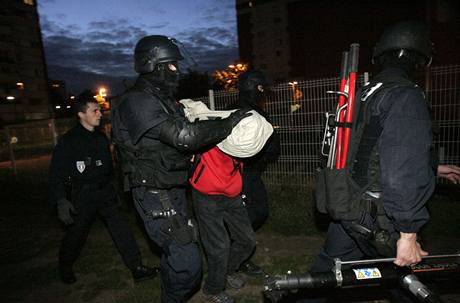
(372, 230)
(359, 210)
(176, 226)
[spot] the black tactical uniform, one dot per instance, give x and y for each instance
(250, 97)
(155, 142)
(81, 171)
(252, 87)
(392, 157)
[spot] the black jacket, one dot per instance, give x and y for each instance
(404, 152)
(80, 157)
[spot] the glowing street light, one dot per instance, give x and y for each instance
(293, 84)
(10, 98)
(103, 92)
(296, 95)
(101, 98)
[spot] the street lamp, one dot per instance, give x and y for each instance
(103, 92)
(101, 98)
(296, 105)
(293, 84)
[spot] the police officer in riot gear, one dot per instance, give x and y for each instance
(81, 189)
(391, 159)
(156, 143)
(252, 93)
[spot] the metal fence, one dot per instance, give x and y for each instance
(297, 110)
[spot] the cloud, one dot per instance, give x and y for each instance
(105, 49)
(212, 48)
(78, 80)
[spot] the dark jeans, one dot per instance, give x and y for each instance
(216, 214)
(91, 203)
(339, 244)
(257, 198)
(180, 263)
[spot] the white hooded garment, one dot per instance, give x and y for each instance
(248, 137)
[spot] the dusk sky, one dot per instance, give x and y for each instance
(88, 42)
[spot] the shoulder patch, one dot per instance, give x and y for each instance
(80, 166)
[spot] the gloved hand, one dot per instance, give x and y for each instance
(238, 115)
(64, 208)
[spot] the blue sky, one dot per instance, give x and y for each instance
(89, 41)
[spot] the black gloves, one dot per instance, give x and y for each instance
(64, 207)
(238, 115)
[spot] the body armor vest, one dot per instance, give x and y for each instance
(149, 162)
(363, 161)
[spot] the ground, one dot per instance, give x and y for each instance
(30, 235)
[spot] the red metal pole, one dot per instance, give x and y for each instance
(354, 55)
(341, 117)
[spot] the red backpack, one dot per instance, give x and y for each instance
(217, 173)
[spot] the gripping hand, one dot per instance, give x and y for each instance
(237, 116)
(64, 210)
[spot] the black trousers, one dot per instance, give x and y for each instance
(91, 203)
(180, 263)
(257, 198)
(225, 253)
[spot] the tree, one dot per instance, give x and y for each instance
(228, 78)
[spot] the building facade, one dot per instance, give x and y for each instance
(23, 75)
(304, 39)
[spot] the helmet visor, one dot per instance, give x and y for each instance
(187, 63)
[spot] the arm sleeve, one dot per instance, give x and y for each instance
(407, 178)
(58, 173)
(191, 137)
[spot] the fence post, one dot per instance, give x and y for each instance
(52, 126)
(212, 105)
(10, 146)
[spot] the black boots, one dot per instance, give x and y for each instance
(251, 269)
(142, 273)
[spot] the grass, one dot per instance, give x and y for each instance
(31, 235)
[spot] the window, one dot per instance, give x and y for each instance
(29, 2)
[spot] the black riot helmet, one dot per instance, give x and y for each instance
(253, 87)
(153, 50)
(249, 81)
(407, 37)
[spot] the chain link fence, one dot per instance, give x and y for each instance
(297, 110)
(298, 113)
